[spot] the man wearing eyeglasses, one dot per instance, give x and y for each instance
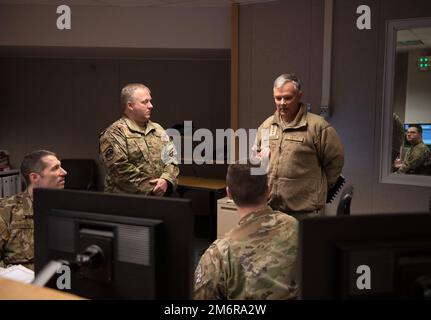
(417, 159)
(305, 153)
(40, 169)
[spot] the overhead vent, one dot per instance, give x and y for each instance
(410, 43)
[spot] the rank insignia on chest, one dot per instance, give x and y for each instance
(273, 132)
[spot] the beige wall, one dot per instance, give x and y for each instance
(400, 84)
(418, 98)
(278, 37)
(127, 27)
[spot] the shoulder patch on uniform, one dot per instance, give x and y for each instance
(164, 136)
(109, 153)
(273, 131)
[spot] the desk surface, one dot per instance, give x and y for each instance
(201, 183)
(12, 290)
(215, 187)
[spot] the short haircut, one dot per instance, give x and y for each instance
(246, 188)
(285, 78)
(33, 162)
(128, 91)
(417, 126)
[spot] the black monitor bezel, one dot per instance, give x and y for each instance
(174, 212)
(320, 238)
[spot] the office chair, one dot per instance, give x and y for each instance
(81, 174)
(343, 208)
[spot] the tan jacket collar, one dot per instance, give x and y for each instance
(299, 121)
(133, 126)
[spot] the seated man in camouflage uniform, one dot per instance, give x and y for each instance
(417, 159)
(137, 154)
(255, 260)
(40, 169)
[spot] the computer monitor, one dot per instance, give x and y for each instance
(375, 256)
(146, 243)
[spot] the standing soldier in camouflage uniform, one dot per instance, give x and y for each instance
(305, 153)
(40, 169)
(137, 154)
(417, 160)
(255, 260)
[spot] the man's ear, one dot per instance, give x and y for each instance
(129, 106)
(300, 94)
(228, 193)
(33, 177)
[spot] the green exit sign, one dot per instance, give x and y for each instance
(424, 63)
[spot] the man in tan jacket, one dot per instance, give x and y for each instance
(305, 153)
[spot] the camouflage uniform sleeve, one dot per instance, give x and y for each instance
(4, 232)
(414, 159)
(114, 155)
(169, 158)
(292, 270)
(209, 279)
(331, 154)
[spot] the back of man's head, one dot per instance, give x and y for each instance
(33, 162)
(246, 188)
